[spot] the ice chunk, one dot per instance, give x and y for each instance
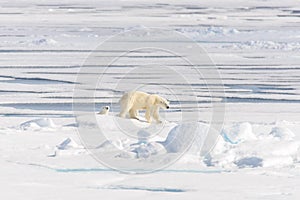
(144, 150)
(240, 147)
(238, 133)
(68, 147)
(282, 133)
(37, 124)
(68, 143)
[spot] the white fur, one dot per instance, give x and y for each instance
(104, 110)
(134, 101)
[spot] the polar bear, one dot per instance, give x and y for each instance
(134, 101)
(104, 110)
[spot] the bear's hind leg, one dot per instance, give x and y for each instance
(123, 112)
(133, 114)
(125, 106)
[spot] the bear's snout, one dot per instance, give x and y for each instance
(167, 107)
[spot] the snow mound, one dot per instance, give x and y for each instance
(183, 137)
(68, 147)
(172, 138)
(180, 137)
(238, 133)
(145, 150)
(111, 144)
(38, 124)
(130, 138)
(282, 133)
(239, 147)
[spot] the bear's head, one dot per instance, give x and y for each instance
(162, 103)
(104, 110)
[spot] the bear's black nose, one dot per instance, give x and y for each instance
(168, 107)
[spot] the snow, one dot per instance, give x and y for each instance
(240, 147)
(179, 137)
(239, 132)
(171, 138)
(282, 133)
(237, 147)
(37, 124)
(255, 47)
(68, 143)
(68, 147)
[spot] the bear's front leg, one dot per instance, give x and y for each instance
(148, 115)
(156, 115)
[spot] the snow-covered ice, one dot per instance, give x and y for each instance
(253, 44)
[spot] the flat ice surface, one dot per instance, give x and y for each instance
(255, 46)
